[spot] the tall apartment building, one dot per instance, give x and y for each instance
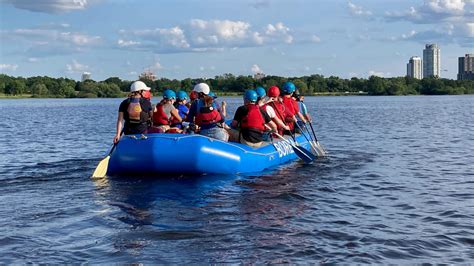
(431, 61)
(147, 74)
(466, 67)
(414, 68)
(85, 76)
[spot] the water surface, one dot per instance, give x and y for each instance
(397, 188)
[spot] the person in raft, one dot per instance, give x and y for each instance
(135, 110)
(181, 106)
(204, 113)
(251, 122)
(291, 105)
(165, 114)
(268, 103)
(302, 107)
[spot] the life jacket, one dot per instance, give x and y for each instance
(290, 106)
(159, 116)
(279, 109)
(135, 113)
(207, 115)
(253, 119)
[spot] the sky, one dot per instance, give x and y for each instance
(205, 38)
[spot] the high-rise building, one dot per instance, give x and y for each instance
(431, 61)
(414, 69)
(85, 76)
(466, 67)
(147, 74)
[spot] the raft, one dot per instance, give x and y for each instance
(182, 154)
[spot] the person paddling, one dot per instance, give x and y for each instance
(251, 121)
(135, 110)
(272, 102)
(291, 106)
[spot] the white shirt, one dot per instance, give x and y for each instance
(270, 111)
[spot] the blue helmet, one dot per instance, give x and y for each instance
(288, 87)
(169, 94)
(251, 95)
(182, 95)
(260, 91)
(212, 94)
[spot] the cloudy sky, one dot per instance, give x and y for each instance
(204, 38)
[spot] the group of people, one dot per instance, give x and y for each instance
(263, 113)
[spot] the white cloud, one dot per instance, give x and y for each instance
(8, 67)
(315, 39)
(33, 59)
(49, 6)
(46, 41)
(123, 43)
(76, 67)
(199, 35)
(436, 11)
(279, 31)
(358, 10)
(377, 73)
(256, 69)
(155, 67)
(451, 20)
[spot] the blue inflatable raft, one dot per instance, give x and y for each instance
(156, 154)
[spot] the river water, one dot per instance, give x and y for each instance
(396, 188)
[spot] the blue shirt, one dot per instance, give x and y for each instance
(303, 109)
(183, 110)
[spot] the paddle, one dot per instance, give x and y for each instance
(301, 152)
(320, 147)
(314, 148)
(101, 169)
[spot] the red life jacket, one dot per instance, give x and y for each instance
(289, 105)
(279, 111)
(207, 115)
(253, 119)
(159, 116)
(290, 111)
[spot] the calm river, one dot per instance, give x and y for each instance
(397, 188)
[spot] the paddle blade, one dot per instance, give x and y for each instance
(304, 154)
(321, 149)
(101, 169)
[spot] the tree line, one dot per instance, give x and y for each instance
(228, 84)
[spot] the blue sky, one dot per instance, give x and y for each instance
(179, 39)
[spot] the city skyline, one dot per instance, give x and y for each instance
(174, 39)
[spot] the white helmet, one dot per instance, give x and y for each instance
(139, 86)
(202, 87)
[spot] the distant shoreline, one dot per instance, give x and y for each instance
(236, 94)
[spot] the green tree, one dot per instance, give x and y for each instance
(39, 89)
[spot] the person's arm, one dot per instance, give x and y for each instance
(280, 123)
(268, 120)
(224, 109)
(176, 115)
(119, 127)
(301, 117)
(272, 125)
